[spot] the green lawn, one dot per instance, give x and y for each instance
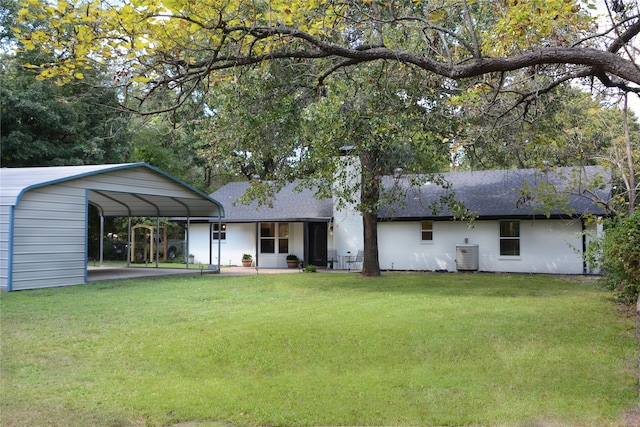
(318, 349)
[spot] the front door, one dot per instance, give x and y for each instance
(317, 244)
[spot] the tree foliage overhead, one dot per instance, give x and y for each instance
(177, 46)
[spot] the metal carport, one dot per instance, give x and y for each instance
(44, 214)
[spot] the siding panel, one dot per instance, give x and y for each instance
(50, 238)
(5, 227)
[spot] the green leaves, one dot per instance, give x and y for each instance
(621, 257)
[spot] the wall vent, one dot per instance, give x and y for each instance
(467, 258)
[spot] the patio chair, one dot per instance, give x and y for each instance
(356, 259)
(332, 257)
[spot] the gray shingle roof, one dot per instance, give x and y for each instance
(288, 205)
(491, 194)
(495, 194)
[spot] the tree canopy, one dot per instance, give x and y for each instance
(178, 47)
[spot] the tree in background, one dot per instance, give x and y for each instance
(565, 127)
(45, 124)
(254, 128)
(168, 141)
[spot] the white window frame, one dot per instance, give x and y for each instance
(512, 238)
(281, 232)
(424, 230)
(215, 232)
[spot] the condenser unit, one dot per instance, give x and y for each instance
(467, 258)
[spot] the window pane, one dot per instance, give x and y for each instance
(222, 235)
(267, 229)
(509, 246)
(427, 230)
(283, 230)
(267, 246)
(283, 246)
(509, 229)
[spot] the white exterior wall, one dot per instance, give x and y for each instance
(50, 238)
(240, 239)
(546, 246)
(348, 229)
(348, 232)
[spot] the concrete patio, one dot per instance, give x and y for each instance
(101, 274)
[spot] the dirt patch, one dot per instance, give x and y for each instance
(632, 418)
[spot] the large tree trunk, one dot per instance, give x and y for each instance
(369, 198)
(370, 264)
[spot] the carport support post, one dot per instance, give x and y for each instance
(211, 236)
(129, 241)
(186, 244)
(157, 241)
(101, 238)
(219, 239)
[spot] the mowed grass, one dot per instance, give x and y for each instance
(318, 349)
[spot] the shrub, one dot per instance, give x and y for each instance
(621, 257)
(310, 268)
(247, 256)
(292, 257)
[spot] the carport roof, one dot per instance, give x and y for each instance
(113, 202)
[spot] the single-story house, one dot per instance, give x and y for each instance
(511, 232)
(44, 215)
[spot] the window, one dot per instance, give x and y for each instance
(283, 238)
(510, 238)
(427, 231)
(270, 240)
(219, 234)
(267, 238)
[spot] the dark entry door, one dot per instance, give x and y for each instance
(317, 244)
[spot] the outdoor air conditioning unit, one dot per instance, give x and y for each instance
(467, 258)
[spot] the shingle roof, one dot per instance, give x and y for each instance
(496, 193)
(491, 194)
(289, 205)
